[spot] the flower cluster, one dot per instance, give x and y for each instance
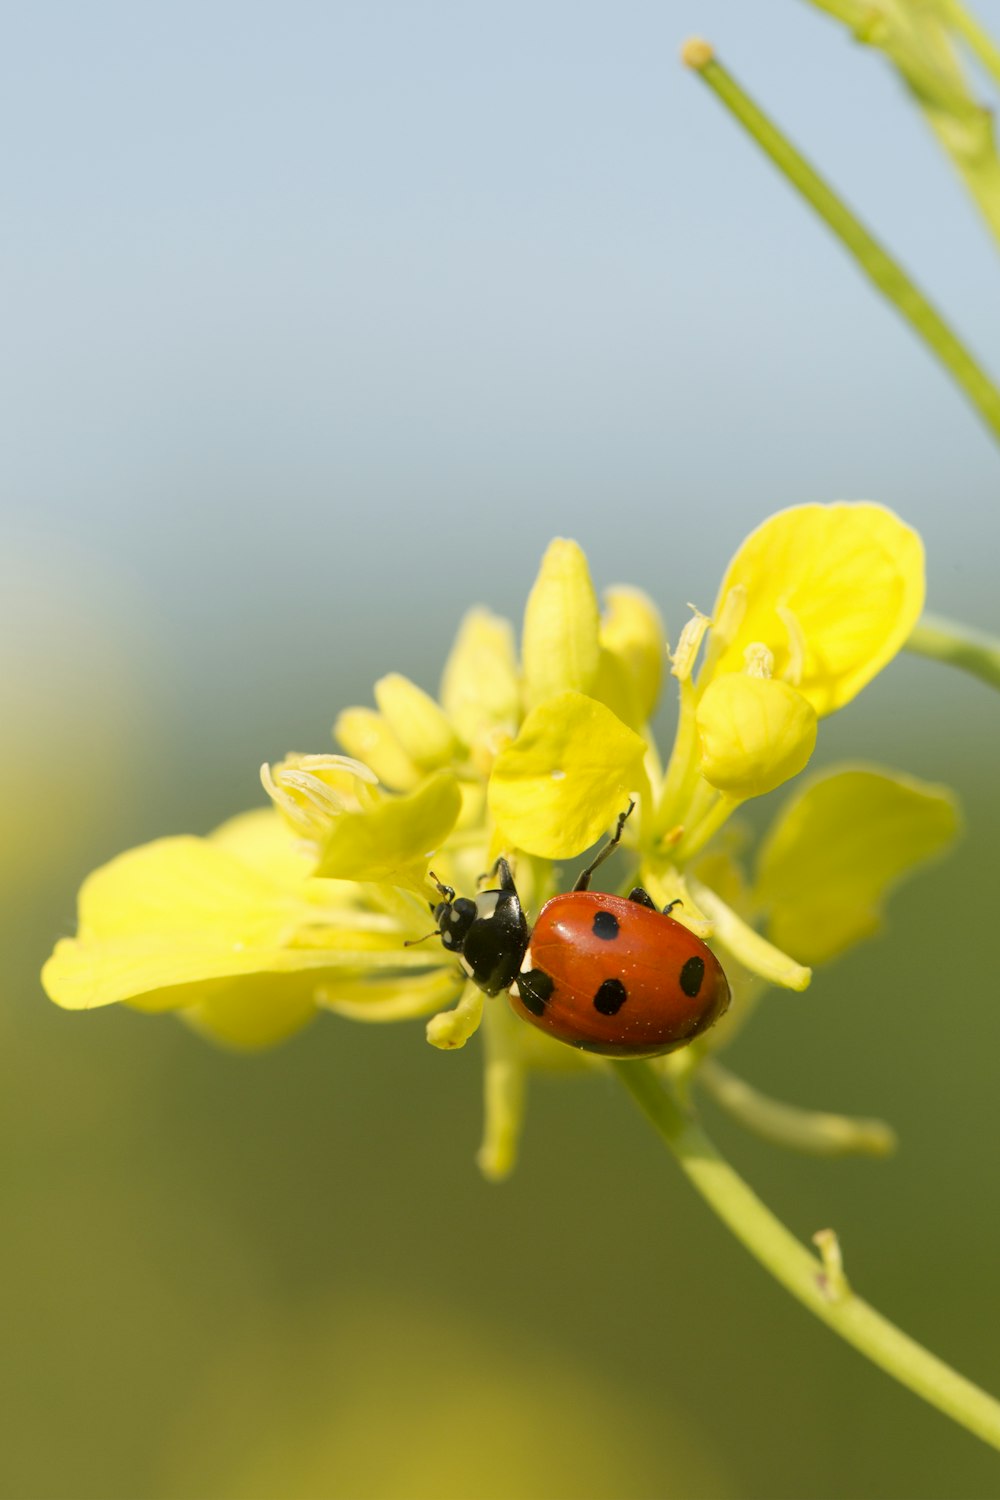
(319, 901)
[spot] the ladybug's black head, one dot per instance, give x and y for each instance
(454, 918)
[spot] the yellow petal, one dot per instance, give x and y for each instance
(395, 836)
(398, 997)
(160, 923)
(173, 913)
(560, 648)
(253, 1012)
(566, 777)
(263, 840)
(633, 632)
(366, 735)
(420, 725)
(480, 688)
(753, 734)
(836, 850)
(832, 590)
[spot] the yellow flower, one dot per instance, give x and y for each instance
(818, 599)
(832, 590)
(324, 902)
(235, 933)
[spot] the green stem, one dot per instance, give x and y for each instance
(816, 1132)
(959, 646)
(804, 1275)
(915, 40)
(976, 37)
(878, 265)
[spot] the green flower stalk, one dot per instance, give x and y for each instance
(321, 901)
(917, 39)
(951, 118)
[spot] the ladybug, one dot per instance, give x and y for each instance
(607, 974)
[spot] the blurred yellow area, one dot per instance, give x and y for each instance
(375, 1398)
(74, 703)
(280, 1277)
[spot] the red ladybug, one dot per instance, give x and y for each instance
(608, 974)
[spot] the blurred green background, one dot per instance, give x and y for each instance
(323, 322)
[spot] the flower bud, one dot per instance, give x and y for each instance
(560, 648)
(364, 733)
(480, 689)
(420, 725)
(753, 734)
(632, 631)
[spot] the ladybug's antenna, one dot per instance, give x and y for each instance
(412, 942)
(583, 882)
(446, 892)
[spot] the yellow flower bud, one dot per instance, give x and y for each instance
(753, 734)
(480, 689)
(419, 724)
(560, 646)
(632, 631)
(365, 734)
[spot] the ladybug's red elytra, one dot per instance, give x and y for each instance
(608, 974)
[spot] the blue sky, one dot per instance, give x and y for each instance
(324, 318)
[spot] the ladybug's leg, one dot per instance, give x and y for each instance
(583, 883)
(643, 898)
(501, 872)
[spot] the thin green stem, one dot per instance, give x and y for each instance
(851, 12)
(709, 810)
(916, 40)
(804, 1275)
(815, 1132)
(878, 265)
(976, 37)
(959, 646)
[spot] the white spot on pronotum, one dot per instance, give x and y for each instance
(526, 963)
(486, 904)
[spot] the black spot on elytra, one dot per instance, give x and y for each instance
(605, 926)
(692, 973)
(535, 988)
(610, 997)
